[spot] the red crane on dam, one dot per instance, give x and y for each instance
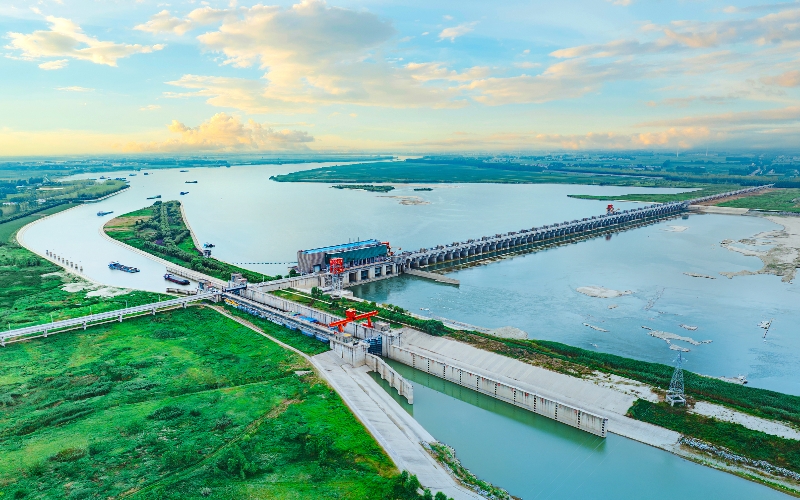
(352, 315)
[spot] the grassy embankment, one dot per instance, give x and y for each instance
(160, 230)
(443, 171)
(661, 197)
(32, 289)
(740, 440)
(184, 404)
(580, 363)
(780, 200)
(27, 198)
(365, 187)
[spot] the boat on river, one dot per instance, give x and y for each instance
(175, 279)
(116, 266)
(190, 182)
(154, 197)
(101, 213)
(184, 192)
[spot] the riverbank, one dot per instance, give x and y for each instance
(782, 254)
(162, 230)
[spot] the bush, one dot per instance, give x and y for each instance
(234, 462)
(168, 412)
(68, 455)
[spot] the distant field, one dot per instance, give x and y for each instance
(184, 404)
(7, 229)
(661, 197)
(784, 200)
(430, 172)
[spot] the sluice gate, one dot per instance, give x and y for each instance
(524, 240)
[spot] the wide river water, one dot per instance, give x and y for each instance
(252, 219)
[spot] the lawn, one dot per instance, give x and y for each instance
(184, 404)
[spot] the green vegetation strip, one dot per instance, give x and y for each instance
(477, 170)
(160, 230)
(184, 404)
(446, 456)
(365, 187)
(779, 200)
(661, 198)
(735, 437)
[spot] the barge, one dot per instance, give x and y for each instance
(116, 266)
(175, 279)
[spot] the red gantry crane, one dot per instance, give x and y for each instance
(352, 315)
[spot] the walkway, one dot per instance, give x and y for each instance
(394, 429)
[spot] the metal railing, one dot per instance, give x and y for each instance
(44, 329)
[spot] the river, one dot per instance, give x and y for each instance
(252, 219)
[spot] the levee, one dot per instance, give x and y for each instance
(452, 372)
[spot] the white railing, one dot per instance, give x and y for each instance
(104, 316)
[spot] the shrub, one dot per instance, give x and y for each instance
(68, 455)
(168, 412)
(223, 423)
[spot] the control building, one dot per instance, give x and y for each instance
(363, 260)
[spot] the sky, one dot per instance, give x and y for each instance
(205, 77)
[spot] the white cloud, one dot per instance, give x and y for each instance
(163, 22)
(66, 39)
(309, 32)
(223, 132)
(457, 31)
(57, 64)
(787, 79)
(74, 89)
(150, 107)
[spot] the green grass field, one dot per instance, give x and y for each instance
(184, 404)
(661, 198)
(782, 200)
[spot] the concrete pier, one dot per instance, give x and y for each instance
(439, 278)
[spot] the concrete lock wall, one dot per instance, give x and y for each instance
(352, 354)
(354, 329)
(556, 410)
(387, 373)
(307, 281)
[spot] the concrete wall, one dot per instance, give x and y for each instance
(556, 410)
(353, 354)
(354, 329)
(403, 386)
(307, 281)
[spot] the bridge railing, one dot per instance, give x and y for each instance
(104, 316)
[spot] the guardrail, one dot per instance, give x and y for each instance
(46, 328)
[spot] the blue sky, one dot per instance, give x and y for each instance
(93, 76)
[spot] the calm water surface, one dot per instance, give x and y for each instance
(536, 458)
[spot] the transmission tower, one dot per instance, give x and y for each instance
(675, 392)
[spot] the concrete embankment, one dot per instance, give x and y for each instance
(607, 401)
(432, 276)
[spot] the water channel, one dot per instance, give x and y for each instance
(536, 458)
(253, 219)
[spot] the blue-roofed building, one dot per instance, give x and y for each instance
(363, 260)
